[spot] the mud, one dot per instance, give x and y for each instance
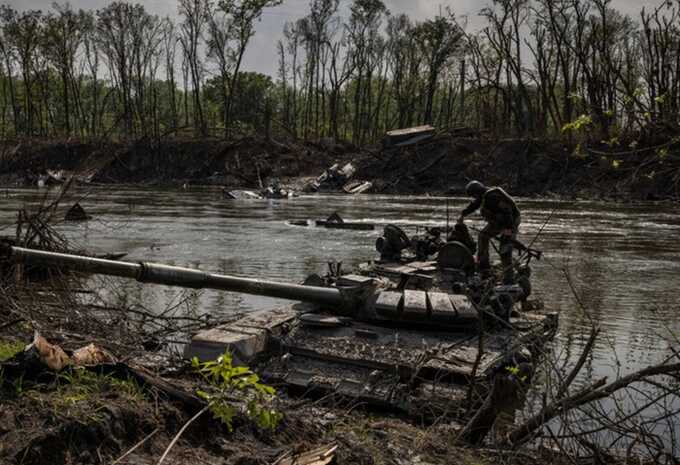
(59, 423)
(650, 171)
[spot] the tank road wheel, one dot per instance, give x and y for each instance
(392, 242)
(457, 256)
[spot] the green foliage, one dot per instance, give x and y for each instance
(578, 123)
(79, 384)
(514, 371)
(579, 152)
(249, 101)
(9, 349)
(225, 380)
(574, 97)
(611, 142)
(115, 72)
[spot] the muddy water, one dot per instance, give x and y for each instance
(623, 260)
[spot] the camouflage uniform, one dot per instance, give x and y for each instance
(501, 213)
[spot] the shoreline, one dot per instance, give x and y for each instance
(177, 186)
(440, 166)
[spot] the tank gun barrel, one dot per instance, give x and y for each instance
(156, 273)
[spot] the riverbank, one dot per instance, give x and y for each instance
(440, 165)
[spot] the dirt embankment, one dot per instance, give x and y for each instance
(209, 161)
(442, 164)
(529, 168)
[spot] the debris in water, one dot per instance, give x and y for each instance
(241, 195)
(76, 213)
(333, 178)
(357, 187)
(335, 221)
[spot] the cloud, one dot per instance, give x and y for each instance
(261, 55)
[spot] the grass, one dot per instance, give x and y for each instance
(9, 349)
(79, 384)
(81, 393)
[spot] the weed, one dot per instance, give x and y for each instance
(225, 379)
(80, 385)
(580, 122)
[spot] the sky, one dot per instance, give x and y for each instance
(261, 55)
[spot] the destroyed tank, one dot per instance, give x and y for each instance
(401, 339)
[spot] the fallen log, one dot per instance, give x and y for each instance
(146, 378)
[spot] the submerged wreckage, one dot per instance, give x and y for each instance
(399, 333)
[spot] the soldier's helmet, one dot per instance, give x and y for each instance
(475, 188)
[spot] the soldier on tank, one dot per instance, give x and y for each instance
(503, 219)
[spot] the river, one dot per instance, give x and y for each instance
(623, 260)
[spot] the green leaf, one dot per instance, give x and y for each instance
(224, 378)
(203, 395)
(578, 123)
(268, 390)
(513, 370)
(238, 371)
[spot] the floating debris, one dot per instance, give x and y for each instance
(335, 221)
(334, 177)
(357, 187)
(242, 195)
(273, 192)
(299, 222)
(76, 213)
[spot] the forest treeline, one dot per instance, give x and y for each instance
(536, 68)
